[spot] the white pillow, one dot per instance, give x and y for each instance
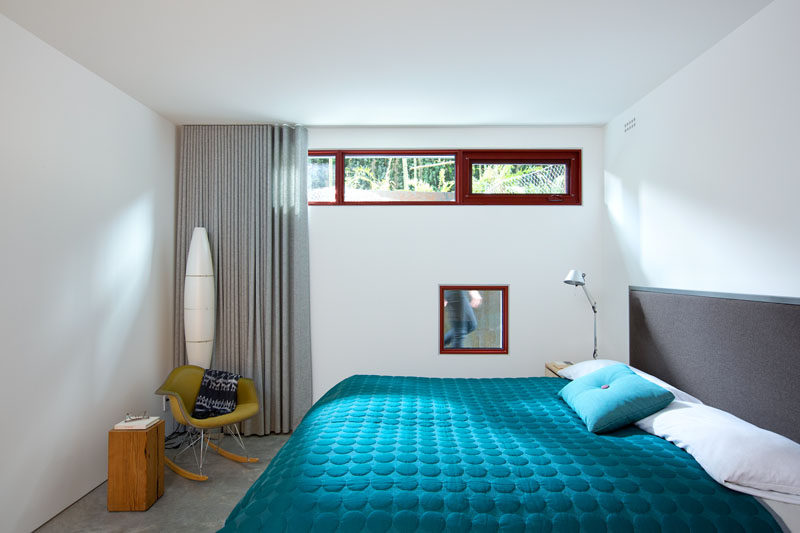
(737, 454)
(679, 394)
(587, 367)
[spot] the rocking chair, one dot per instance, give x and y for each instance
(182, 386)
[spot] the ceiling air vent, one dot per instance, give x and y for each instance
(629, 125)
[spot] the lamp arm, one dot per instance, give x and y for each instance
(592, 302)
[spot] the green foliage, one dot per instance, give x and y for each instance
(363, 177)
(437, 174)
(519, 179)
(422, 174)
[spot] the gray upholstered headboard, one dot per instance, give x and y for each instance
(739, 353)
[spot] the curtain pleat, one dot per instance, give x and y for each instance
(247, 186)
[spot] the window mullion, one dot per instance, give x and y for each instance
(339, 177)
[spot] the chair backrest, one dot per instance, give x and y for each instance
(183, 382)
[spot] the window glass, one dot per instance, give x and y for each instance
(516, 178)
(399, 178)
(322, 178)
(444, 177)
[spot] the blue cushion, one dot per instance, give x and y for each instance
(613, 397)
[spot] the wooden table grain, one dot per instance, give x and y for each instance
(135, 467)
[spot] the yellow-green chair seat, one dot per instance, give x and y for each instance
(182, 386)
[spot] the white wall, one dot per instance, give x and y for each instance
(375, 271)
(86, 233)
(703, 193)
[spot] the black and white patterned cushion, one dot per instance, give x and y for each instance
(217, 395)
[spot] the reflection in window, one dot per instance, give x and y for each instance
(473, 319)
(322, 178)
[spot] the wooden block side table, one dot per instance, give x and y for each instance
(135, 467)
(551, 368)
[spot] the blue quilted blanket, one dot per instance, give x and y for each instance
(405, 454)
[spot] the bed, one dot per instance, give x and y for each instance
(383, 453)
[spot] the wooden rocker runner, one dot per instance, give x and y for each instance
(182, 386)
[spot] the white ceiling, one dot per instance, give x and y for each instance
(357, 62)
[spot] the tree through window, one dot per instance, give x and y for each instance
(341, 177)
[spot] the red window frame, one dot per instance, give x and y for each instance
(463, 171)
(503, 350)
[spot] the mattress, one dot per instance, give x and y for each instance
(381, 453)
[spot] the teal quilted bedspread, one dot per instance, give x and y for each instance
(380, 453)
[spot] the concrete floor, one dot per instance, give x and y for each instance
(186, 505)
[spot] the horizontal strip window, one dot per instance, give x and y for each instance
(444, 177)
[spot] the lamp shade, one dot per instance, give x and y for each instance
(575, 277)
(199, 301)
(198, 260)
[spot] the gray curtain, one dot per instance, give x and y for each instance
(247, 186)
